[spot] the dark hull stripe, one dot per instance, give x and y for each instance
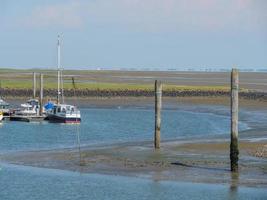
(57, 119)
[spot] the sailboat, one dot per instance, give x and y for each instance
(61, 112)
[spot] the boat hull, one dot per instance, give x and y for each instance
(67, 120)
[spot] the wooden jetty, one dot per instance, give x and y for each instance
(30, 118)
(39, 116)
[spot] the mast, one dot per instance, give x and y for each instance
(58, 69)
(62, 87)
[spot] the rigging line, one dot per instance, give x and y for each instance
(77, 127)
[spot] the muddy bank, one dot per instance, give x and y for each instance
(253, 95)
(187, 161)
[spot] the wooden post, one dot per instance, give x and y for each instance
(158, 102)
(34, 85)
(41, 95)
(234, 121)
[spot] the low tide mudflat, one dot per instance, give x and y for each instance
(134, 79)
(190, 161)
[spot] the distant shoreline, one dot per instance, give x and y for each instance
(84, 93)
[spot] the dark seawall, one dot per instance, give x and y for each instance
(83, 93)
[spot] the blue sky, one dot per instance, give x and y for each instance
(134, 33)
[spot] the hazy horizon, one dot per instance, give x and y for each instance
(185, 69)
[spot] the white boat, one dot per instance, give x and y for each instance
(61, 112)
(64, 113)
(1, 116)
(31, 107)
(4, 107)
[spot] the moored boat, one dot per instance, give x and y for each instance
(4, 107)
(31, 107)
(61, 112)
(1, 116)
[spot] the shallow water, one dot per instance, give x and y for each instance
(30, 183)
(113, 125)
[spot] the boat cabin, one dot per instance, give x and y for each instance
(65, 109)
(3, 104)
(64, 113)
(31, 107)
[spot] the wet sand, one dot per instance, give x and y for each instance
(248, 80)
(192, 161)
(149, 101)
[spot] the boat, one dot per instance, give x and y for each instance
(4, 107)
(29, 112)
(31, 107)
(61, 112)
(64, 113)
(1, 116)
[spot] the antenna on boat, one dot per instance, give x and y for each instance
(58, 69)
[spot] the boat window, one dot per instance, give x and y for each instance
(72, 109)
(55, 110)
(58, 109)
(64, 110)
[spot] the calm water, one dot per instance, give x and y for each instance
(33, 183)
(111, 126)
(106, 126)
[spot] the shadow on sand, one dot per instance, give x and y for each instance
(200, 167)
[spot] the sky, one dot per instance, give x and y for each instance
(162, 34)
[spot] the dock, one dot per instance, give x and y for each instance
(23, 118)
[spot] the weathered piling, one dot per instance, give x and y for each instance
(41, 94)
(158, 103)
(234, 121)
(34, 85)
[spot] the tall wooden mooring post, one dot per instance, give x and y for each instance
(158, 104)
(234, 152)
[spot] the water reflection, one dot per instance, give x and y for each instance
(233, 192)
(21, 182)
